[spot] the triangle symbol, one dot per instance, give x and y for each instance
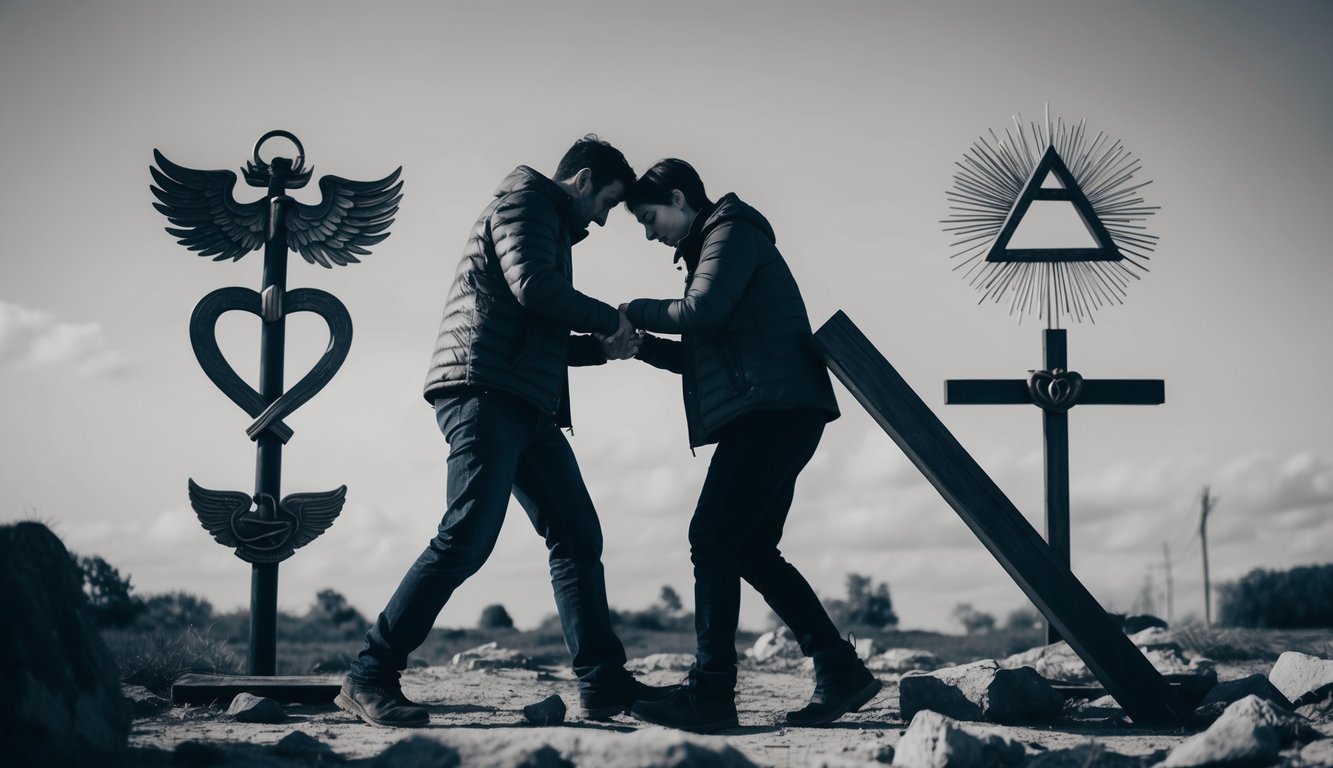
(1051, 180)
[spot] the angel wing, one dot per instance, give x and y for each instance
(352, 216)
(207, 217)
(314, 513)
(217, 510)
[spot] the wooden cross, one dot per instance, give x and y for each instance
(1055, 389)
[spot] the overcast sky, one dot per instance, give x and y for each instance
(840, 121)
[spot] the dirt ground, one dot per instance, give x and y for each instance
(471, 708)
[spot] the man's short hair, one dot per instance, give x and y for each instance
(606, 162)
(655, 185)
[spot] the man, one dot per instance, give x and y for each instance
(499, 383)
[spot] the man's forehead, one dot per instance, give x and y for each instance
(615, 192)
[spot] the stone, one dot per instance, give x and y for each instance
(1056, 661)
(548, 711)
(249, 708)
(661, 662)
(933, 740)
(491, 656)
(1133, 624)
(656, 747)
(302, 746)
(981, 690)
(776, 646)
(903, 660)
(62, 686)
(1250, 732)
(1302, 678)
(1318, 752)
(145, 702)
(1320, 711)
(417, 752)
(1090, 755)
(865, 647)
(1225, 694)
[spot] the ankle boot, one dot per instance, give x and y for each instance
(842, 685)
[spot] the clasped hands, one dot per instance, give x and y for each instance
(622, 344)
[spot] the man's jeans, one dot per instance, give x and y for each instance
(500, 444)
(734, 535)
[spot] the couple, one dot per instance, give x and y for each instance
(752, 383)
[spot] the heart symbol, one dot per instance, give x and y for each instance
(269, 416)
(1056, 390)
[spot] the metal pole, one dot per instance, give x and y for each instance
(1170, 588)
(1056, 428)
(1203, 539)
(268, 452)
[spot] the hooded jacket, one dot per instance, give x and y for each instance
(746, 343)
(511, 307)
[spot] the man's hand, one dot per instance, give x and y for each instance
(622, 344)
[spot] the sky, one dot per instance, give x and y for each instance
(840, 121)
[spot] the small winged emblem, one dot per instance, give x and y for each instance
(261, 530)
(351, 217)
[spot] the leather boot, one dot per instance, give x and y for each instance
(842, 685)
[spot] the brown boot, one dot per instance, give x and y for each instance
(380, 705)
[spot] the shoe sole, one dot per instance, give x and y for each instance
(710, 727)
(602, 714)
(348, 705)
(854, 704)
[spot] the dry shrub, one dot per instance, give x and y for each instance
(156, 660)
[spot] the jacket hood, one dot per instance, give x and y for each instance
(524, 178)
(728, 208)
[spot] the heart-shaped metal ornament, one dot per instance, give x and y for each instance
(1057, 390)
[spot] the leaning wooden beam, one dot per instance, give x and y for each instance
(994, 519)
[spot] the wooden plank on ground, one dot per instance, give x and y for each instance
(993, 518)
(204, 689)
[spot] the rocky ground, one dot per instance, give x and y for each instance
(477, 718)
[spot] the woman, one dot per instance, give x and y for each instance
(754, 385)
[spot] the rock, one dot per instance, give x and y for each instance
(62, 687)
(249, 708)
(302, 746)
(1133, 624)
(1090, 755)
(656, 747)
(661, 662)
(776, 645)
(144, 701)
(491, 656)
(1056, 661)
(417, 752)
(1302, 678)
(903, 660)
(548, 711)
(865, 648)
(1250, 732)
(981, 690)
(1320, 711)
(1318, 753)
(198, 753)
(933, 740)
(1222, 696)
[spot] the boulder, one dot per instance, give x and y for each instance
(1250, 732)
(1090, 755)
(901, 660)
(1302, 678)
(981, 690)
(548, 711)
(1225, 694)
(776, 646)
(491, 656)
(249, 708)
(1058, 661)
(62, 703)
(1141, 622)
(933, 740)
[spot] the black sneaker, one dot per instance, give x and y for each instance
(842, 685)
(689, 710)
(606, 702)
(384, 706)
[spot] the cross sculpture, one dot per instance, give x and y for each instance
(990, 199)
(265, 527)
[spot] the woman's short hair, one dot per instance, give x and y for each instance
(655, 185)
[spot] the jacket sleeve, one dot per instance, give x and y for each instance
(726, 263)
(585, 350)
(662, 353)
(525, 229)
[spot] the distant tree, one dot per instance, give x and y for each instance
(670, 601)
(1294, 599)
(495, 617)
(1026, 617)
(175, 611)
(110, 595)
(332, 607)
(974, 622)
(867, 604)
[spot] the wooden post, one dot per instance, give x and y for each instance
(1030, 562)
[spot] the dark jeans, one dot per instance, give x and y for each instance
(734, 535)
(500, 444)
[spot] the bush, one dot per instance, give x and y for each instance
(109, 594)
(495, 617)
(156, 660)
(174, 611)
(1295, 599)
(866, 605)
(1024, 618)
(973, 621)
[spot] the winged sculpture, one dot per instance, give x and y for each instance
(351, 217)
(261, 530)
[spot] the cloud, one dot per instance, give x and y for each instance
(33, 338)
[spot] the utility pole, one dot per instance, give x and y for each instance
(1207, 504)
(1170, 589)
